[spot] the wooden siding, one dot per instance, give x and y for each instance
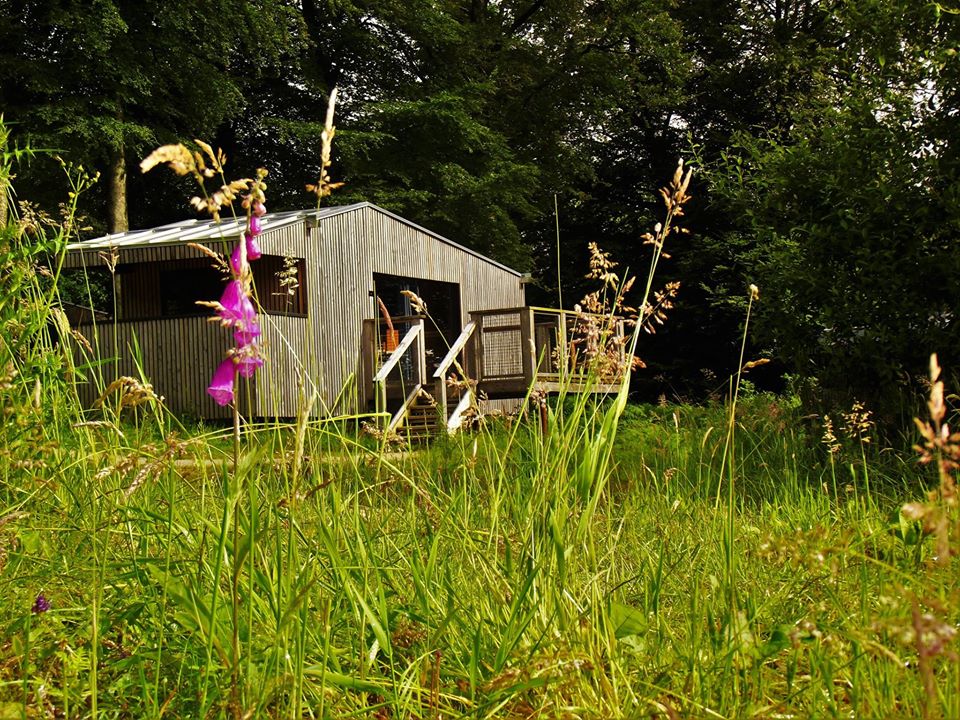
(178, 357)
(180, 354)
(293, 344)
(287, 377)
(355, 245)
(321, 351)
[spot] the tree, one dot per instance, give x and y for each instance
(102, 79)
(699, 73)
(464, 117)
(848, 214)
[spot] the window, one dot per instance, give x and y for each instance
(281, 284)
(172, 288)
(182, 287)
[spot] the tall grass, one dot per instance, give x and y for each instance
(512, 572)
(478, 577)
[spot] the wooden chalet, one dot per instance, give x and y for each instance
(327, 283)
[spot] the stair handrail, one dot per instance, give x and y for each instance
(454, 350)
(440, 374)
(456, 417)
(395, 356)
(380, 379)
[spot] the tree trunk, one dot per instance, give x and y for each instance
(117, 203)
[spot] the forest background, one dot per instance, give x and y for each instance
(825, 135)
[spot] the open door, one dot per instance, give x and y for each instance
(443, 304)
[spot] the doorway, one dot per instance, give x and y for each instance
(443, 305)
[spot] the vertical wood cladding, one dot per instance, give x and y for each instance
(355, 245)
(316, 351)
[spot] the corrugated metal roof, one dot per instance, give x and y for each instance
(196, 230)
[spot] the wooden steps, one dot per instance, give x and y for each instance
(426, 411)
(422, 420)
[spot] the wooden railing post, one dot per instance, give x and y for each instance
(367, 361)
(440, 394)
(478, 350)
(422, 354)
(528, 350)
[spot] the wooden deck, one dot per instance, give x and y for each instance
(520, 348)
(505, 351)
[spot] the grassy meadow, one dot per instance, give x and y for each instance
(643, 568)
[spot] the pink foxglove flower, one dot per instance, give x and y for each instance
(247, 335)
(248, 363)
(253, 247)
(236, 309)
(237, 265)
(221, 386)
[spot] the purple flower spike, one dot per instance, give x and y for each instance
(221, 386)
(247, 334)
(248, 365)
(253, 247)
(236, 309)
(40, 605)
(235, 262)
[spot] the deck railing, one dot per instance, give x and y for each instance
(502, 351)
(520, 346)
(457, 350)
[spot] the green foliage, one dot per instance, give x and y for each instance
(828, 129)
(475, 578)
(99, 79)
(845, 216)
(34, 355)
(91, 288)
(855, 252)
(518, 571)
(469, 185)
(468, 118)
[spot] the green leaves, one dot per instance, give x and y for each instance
(839, 216)
(94, 79)
(626, 620)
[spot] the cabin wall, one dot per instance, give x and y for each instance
(178, 355)
(352, 247)
(292, 343)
